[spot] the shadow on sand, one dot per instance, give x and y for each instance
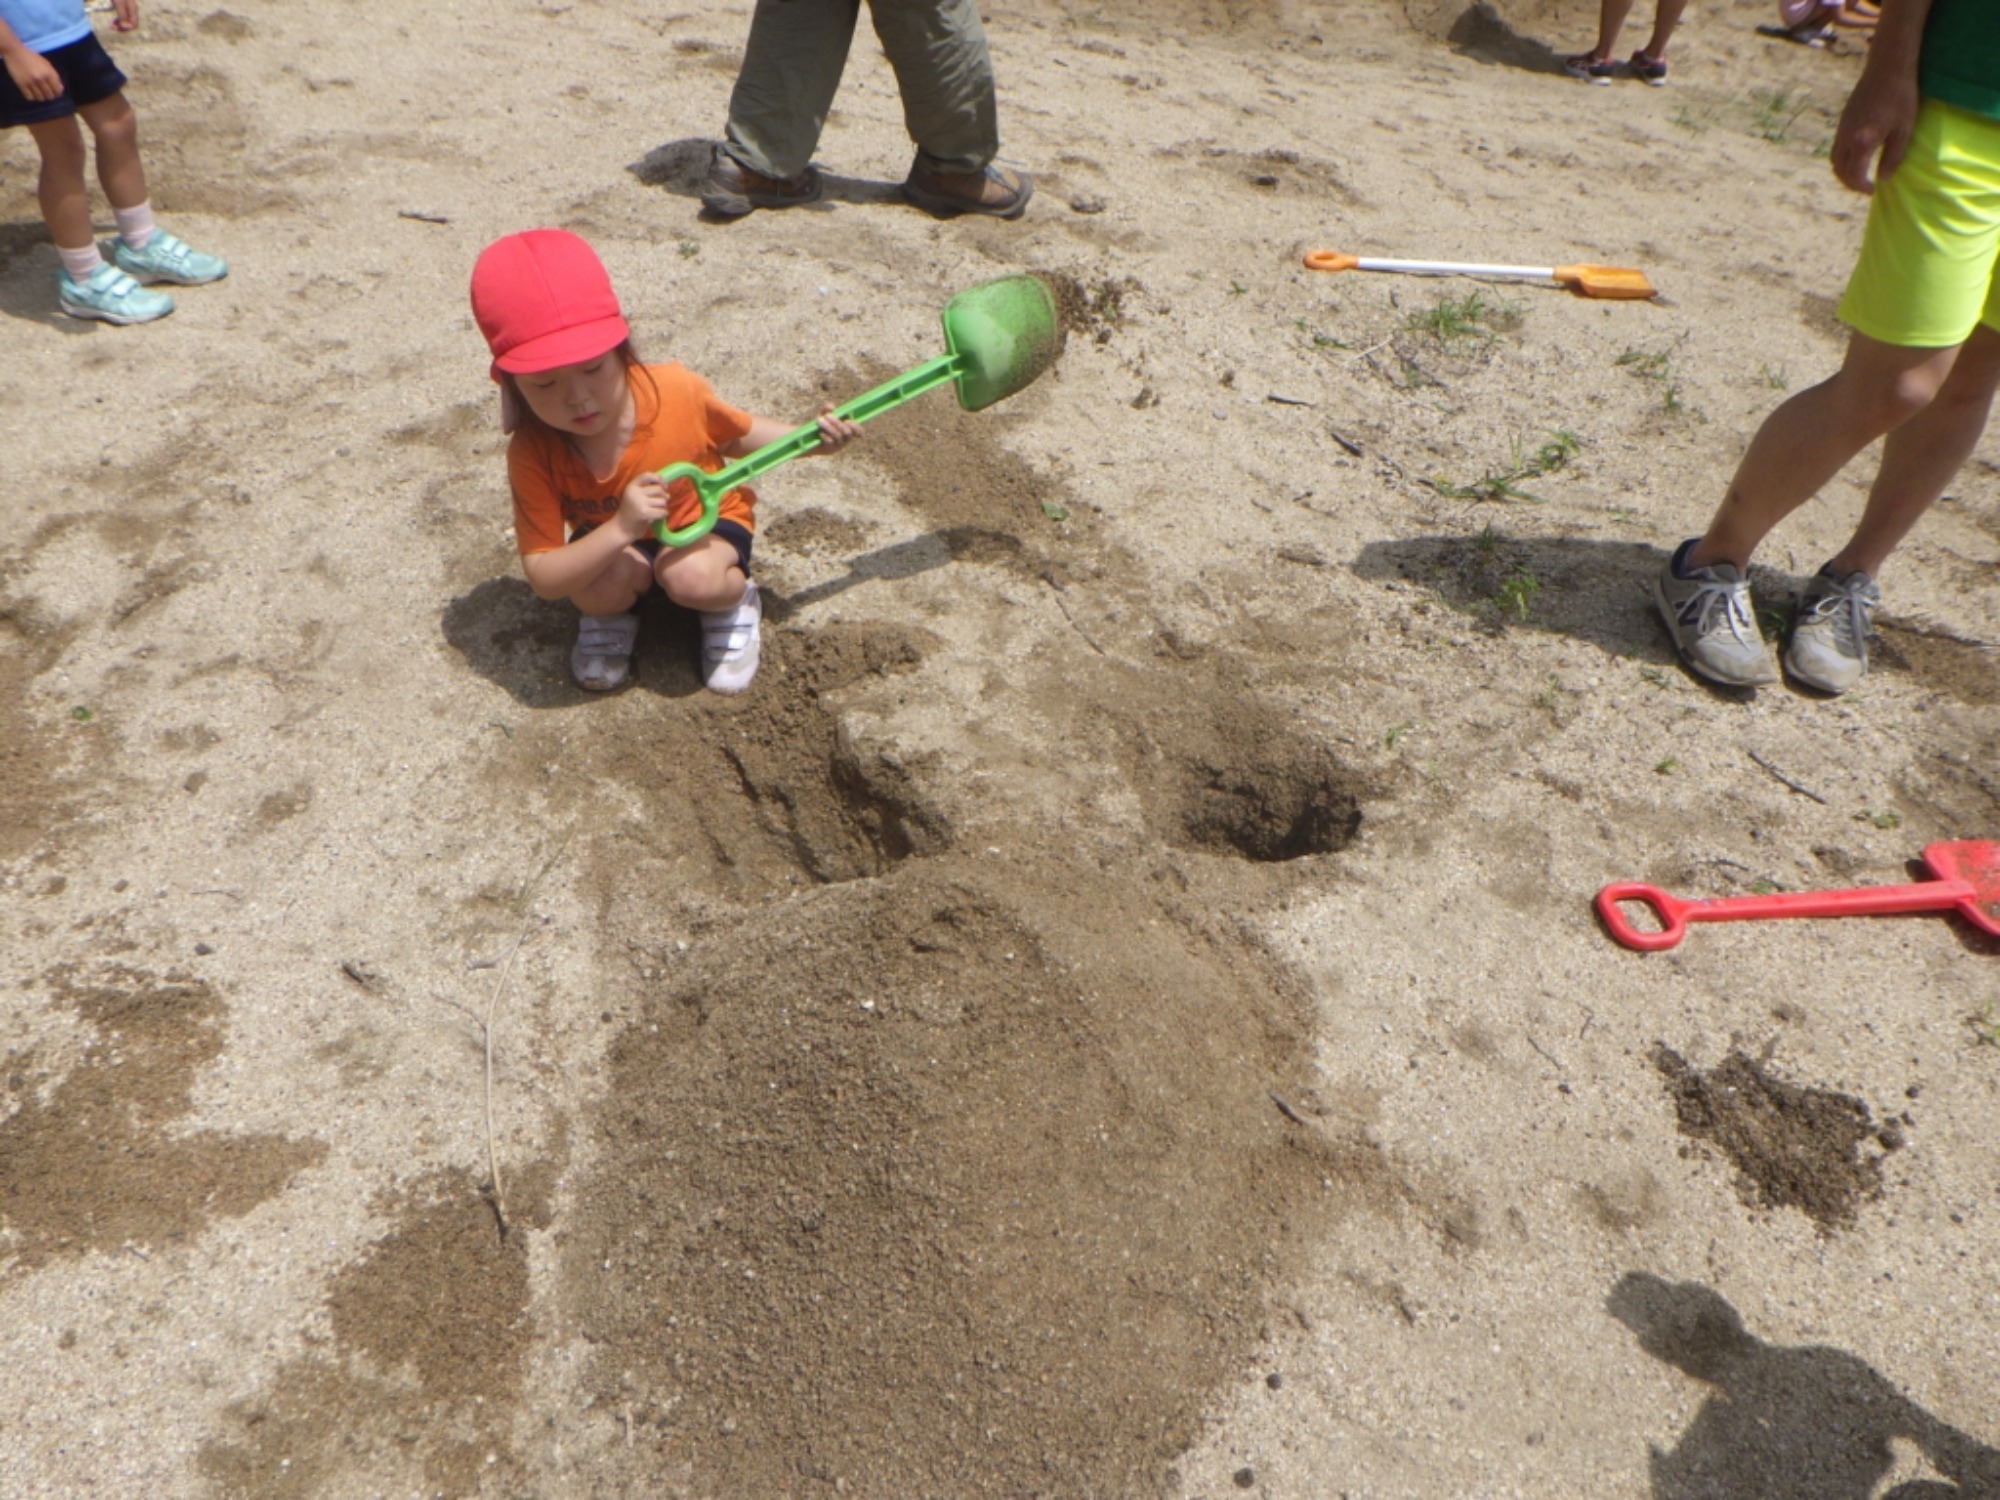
(522, 643)
(1805, 1423)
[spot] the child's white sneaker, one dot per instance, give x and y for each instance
(602, 658)
(729, 643)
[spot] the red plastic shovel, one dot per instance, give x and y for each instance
(1968, 872)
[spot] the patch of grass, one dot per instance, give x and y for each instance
(1516, 594)
(1396, 732)
(1054, 511)
(1319, 337)
(1504, 484)
(1774, 617)
(1648, 364)
(1473, 316)
(1694, 123)
(688, 249)
(1237, 288)
(1492, 485)
(81, 714)
(1667, 767)
(1653, 675)
(1658, 366)
(1777, 380)
(1562, 446)
(1887, 818)
(1985, 1025)
(1775, 111)
(1764, 887)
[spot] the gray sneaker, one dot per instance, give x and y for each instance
(1708, 614)
(1829, 649)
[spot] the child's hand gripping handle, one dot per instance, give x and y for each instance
(1675, 914)
(800, 440)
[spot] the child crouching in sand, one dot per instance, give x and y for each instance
(591, 429)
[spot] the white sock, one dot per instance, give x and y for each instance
(135, 225)
(81, 264)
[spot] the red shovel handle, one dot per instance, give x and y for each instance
(1675, 914)
(1671, 911)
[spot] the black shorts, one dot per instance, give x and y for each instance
(88, 75)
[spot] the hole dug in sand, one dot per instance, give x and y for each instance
(1279, 802)
(1222, 772)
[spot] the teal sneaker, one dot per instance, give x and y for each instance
(111, 295)
(169, 258)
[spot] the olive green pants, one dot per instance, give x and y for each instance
(793, 62)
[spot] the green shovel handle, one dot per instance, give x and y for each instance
(711, 504)
(869, 404)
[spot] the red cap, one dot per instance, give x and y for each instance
(542, 299)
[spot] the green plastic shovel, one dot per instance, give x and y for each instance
(998, 337)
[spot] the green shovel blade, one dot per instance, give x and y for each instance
(1000, 335)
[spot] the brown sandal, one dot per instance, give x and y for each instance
(732, 189)
(991, 190)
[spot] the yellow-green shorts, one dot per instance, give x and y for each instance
(1926, 277)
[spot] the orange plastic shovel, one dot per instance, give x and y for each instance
(1968, 883)
(1590, 281)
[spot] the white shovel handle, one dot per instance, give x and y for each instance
(1455, 268)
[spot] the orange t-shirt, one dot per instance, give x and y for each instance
(677, 418)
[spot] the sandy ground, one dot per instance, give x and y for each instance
(1117, 1009)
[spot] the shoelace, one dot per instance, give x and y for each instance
(1733, 599)
(1850, 606)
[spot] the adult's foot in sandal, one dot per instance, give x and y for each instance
(732, 189)
(991, 190)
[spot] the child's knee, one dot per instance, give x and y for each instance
(112, 122)
(706, 581)
(61, 147)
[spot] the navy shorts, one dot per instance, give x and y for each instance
(88, 75)
(733, 532)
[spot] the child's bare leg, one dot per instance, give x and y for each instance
(1611, 16)
(1665, 19)
(618, 587)
(115, 129)
(1923, 454)
(1813, 436)
(702, 575)
(64, 194)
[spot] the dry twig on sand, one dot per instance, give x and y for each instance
(486, 1034)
